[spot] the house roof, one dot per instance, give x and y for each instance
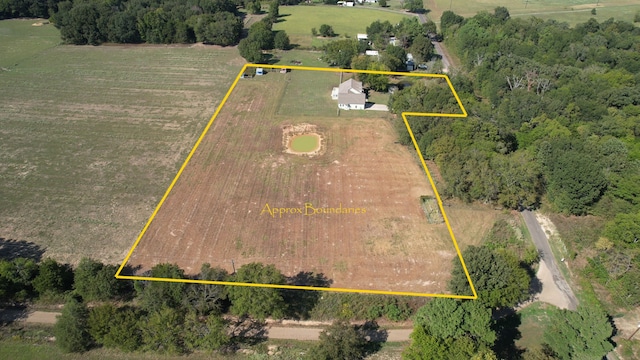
(350, 86)
(349, 98)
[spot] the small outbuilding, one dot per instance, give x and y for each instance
(259, 71)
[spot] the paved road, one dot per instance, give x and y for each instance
(542, 244)
(439, 47)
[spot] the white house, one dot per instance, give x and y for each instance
(350, 95)
(361, 37)
(372, 52)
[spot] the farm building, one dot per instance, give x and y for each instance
(362, 37)
(350, 95)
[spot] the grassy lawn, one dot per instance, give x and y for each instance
(533, 321)
(297, 21)
(19, 41)
(90, 137)
(570, 11)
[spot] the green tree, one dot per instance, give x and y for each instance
(254, 7)
(208, 333)
(382, 3)
(422, 49)
(575, 179)
(449, 19)
(498, 277)
(99, 321)
(155, 295)
(53, 277)
(71, 330)
(416, 6)
(95, 281)
(501, 13)
(394, 58)
(450, 318)
(258, 302)
(221, 28)
(281, 40)
(205, 299)
(250, 51)
(163, 330)
(326, 31)
(261, 34)
(16, 277)
(274, 10)
(582, 334)
(340, 52)
(624, 229)
(378, 82)
(124, 330)
(341, 340)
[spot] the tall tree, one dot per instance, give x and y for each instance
(258, 302)
(155, 295)
(53, 277)
(498, 277)
(582, 334)
(340, 52)
(71, 329)
(341, 340)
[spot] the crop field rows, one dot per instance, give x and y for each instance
(91, 136)
(220, 209)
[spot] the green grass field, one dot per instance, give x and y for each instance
(570, 11)
(19, 41)
(297, 21)
(91, 137)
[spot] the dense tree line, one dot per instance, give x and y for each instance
(178, 318)
(156, 21)
(28, 8)
(554, 111)
(486, 328)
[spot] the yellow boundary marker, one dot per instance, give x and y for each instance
(343, 290)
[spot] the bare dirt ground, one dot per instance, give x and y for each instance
(217, 211)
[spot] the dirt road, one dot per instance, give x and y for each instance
(272, 332)
(553, 278)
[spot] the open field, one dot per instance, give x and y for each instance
(90, 137)
(572, 11)
(297, 21)
(220, 211)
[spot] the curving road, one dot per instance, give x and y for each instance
(542, 244)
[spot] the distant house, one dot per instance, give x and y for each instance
(350, 95)
(362, 37)
(372, 53)
(349, 3)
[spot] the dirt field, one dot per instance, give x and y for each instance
(217, 212)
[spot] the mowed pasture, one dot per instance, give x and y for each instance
(571, 11)
(217, 211)
(90, 137)
(298, 21)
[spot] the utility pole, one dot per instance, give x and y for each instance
(450, 2)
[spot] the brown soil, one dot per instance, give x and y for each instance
(217, 212)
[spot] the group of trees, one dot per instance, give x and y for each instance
(178, 318)
(554, 111)
(216, 22)
(484, 328)
(411, 36)
(262, 37)
(156, 21)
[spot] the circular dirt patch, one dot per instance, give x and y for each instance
(302, 139)
(305, 143)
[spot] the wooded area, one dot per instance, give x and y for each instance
(554, 114)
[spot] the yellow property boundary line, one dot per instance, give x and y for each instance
(343, 290)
